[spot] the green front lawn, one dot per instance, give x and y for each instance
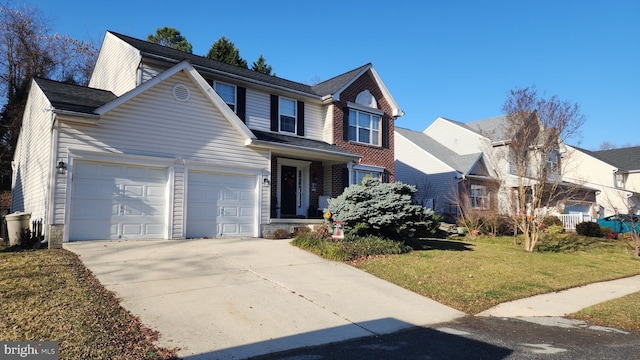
(48, 295)
(475, 275)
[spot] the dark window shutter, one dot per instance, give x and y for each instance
(274, 113)
(385, 131)
(300, 129)
(345, 124)
(241, 110)
(345, 177)
(385, 176)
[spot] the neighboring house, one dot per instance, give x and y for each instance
(441, 175)
(453, 161)
(166, 144)
(614, 173)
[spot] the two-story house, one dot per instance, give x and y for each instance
(166, 144)
(452, 162)
(615, 173)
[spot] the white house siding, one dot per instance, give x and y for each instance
(327, 131)
(32, 159)
(433, 178)
(460, 140)
(313, 121)
(584, 169)
(116, 68)
(154, 124)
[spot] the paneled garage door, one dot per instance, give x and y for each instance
(221, 205)
(117, 201)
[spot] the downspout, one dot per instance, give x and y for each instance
(51, 180)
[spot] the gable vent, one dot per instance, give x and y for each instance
(181, 92)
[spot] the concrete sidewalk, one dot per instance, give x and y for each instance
(237, 298)
(566, 302)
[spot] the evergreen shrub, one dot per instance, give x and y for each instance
(382, 209)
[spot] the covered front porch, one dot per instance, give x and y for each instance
(304, 174)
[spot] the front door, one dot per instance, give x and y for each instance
(288, 191)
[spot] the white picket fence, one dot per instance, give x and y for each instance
(569, 221)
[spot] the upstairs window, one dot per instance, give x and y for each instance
(619, 181)
(288, 115)
(552, 162)
(227, 93)
(364, 127)
(479, 197)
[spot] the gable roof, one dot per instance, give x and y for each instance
(460, 163)
(494, 128)
(186, 67)
(626, 159)
(74, 98)
(322, 90)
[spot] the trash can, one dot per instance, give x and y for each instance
(16, 223)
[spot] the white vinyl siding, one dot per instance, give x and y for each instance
(258, 115)
(432, 178)
(32, 160)
(155, 124)
(116, 69)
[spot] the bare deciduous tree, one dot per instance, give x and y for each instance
(537, 129)
(28, 50)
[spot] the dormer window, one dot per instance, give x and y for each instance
(288, 115)
(227, 93)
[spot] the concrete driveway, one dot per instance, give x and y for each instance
(237, 298)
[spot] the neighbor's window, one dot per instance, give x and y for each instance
(288, 116)
(364, 127)
(227, 93)
(552, 161)
(479, 197)
(619, 178)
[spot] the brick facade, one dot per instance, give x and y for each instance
(371, 155)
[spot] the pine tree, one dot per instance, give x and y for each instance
(172, 38)
(225, 50)
(261, 66)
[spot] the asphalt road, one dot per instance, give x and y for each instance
(484, 338)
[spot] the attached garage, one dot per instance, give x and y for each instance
(112, 201)
(221, 204)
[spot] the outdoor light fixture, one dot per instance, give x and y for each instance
(61, 167)
(266, 182)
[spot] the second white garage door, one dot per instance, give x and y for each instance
(220, 204)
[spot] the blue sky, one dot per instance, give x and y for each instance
(455, 59)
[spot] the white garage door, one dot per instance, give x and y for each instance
(117, 201)
(221, 205)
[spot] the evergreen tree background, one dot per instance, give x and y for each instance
(261, 66)
(172, 38)
(225, 50)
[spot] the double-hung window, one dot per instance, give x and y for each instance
(227, 93)
(364, 127)
(479, 197)
(288, 115)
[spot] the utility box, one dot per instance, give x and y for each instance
(16, 224)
